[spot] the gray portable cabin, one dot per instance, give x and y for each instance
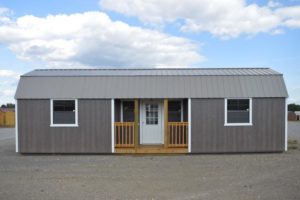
(197, 110)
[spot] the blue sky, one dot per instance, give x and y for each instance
(132, 33)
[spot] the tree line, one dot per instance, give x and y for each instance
(293, 107)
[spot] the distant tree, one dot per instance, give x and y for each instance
(293, 107)
(8, 105)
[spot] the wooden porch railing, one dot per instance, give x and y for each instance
(124, 134)
(177, 134)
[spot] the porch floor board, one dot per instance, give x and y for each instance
(147, 149)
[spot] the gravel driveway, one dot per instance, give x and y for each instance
(233, 176)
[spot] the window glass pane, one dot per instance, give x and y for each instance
(63, 111)
(128, 111)
(238, 116)
(238, 111)
(174, 108)
(238, 104)
(151, 114)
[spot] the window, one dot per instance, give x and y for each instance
(64, 113)
(151, 114)
(238, 112)
(127, 111)
(175, 111)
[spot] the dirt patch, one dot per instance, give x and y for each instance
(292, 144)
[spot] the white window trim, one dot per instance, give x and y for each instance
(64, 125)
(238, 124)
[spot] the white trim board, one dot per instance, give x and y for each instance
(112, 125)
(286, 126)
(64, 125)
(189, 126)
(238, 124)
(16, 126)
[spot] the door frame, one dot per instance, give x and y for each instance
(141, 115)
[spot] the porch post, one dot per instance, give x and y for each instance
(166, 123)
(189, 125)
(112, 125)
(136, 123)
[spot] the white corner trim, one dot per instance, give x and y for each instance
(16, 126)
(238, 124)
(64, 125)
(286, 126)
(189, 126)
(112, 125)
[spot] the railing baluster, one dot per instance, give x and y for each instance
(124, 134)
(177, 134)
(180, 134)
(129, 135)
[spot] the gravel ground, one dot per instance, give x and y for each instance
(294, 130)
(232, 176)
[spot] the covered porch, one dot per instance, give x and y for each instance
(150, 125)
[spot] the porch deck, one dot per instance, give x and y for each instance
(127, 135)
(151, 149)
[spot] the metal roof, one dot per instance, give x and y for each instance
(153, 72)
(151, 83)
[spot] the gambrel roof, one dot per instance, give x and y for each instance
(151, 83)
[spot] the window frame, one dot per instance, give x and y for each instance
(63, 125)
(238, 124)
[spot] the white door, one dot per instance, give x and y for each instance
(151, 122)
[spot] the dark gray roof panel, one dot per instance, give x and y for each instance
(154, 72)
(155, 86)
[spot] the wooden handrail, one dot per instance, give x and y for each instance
(177, 134)
(124, 134)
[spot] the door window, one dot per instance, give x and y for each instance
(151, 114)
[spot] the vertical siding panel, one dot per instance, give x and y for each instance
(92, 136)
(209, 135)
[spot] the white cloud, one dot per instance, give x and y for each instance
(274, 4)
(93, 39)
(8, 83)
(224, 19)
(5, 13)
(290, 16)
(8, 73)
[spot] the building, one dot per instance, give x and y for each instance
(297, 113)
(208, 110)
(292, 116)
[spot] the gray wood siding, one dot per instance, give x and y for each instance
(93, 135)
(209, 135)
